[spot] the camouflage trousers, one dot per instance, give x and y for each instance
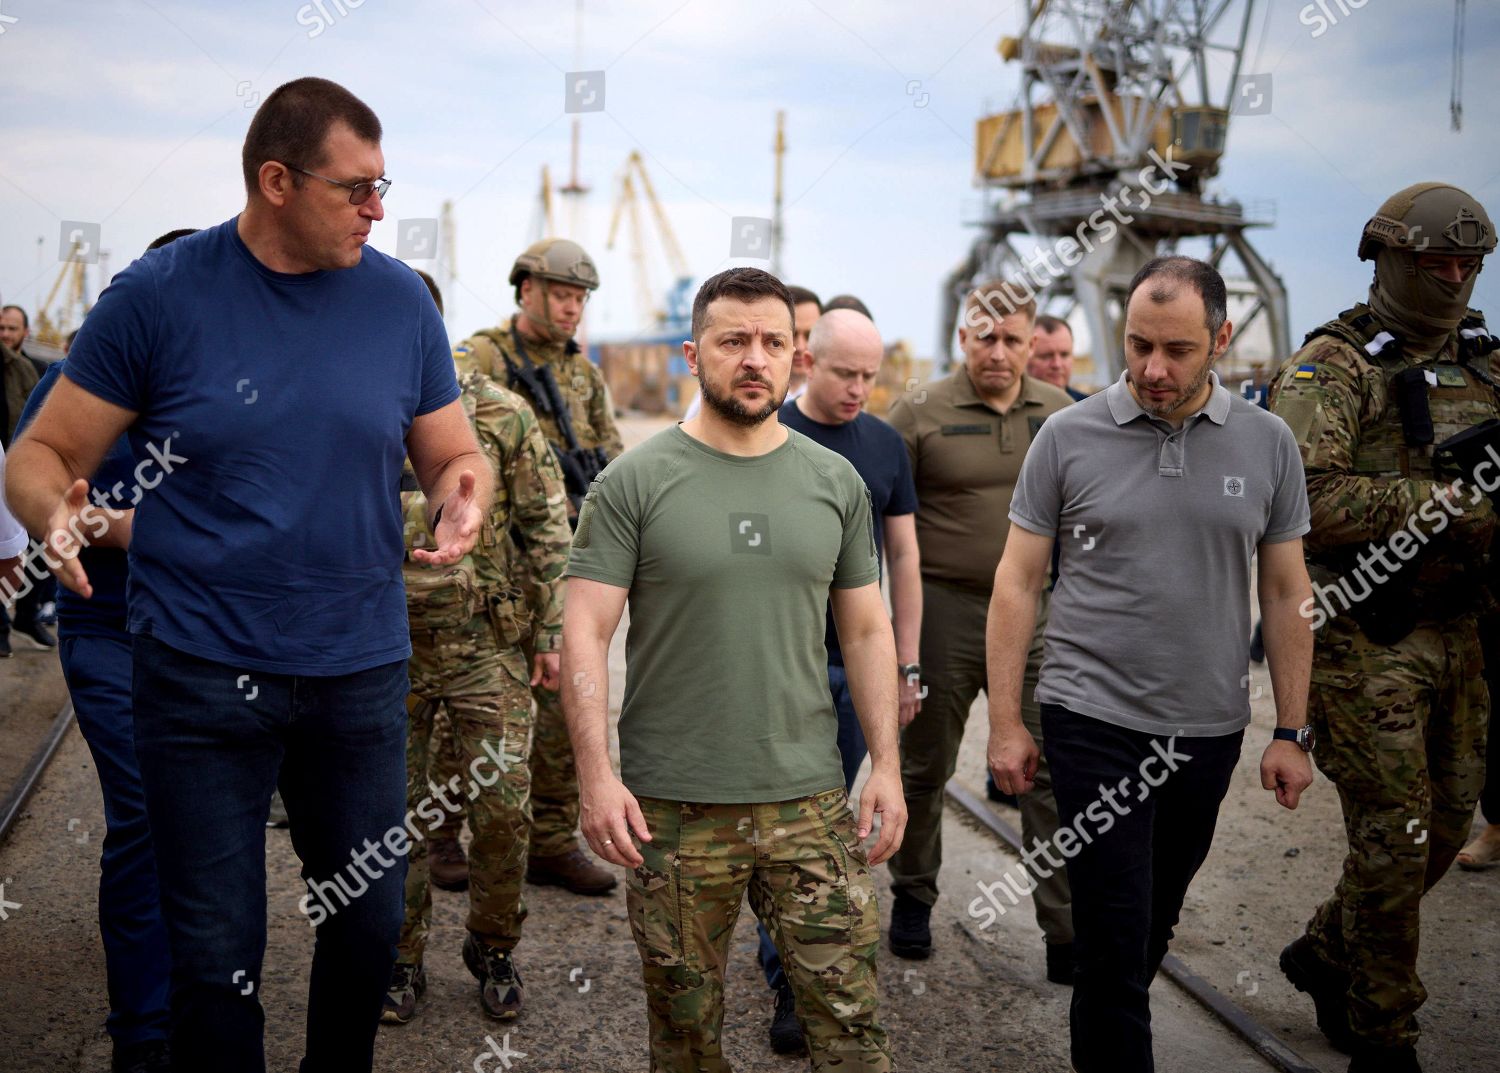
(809, 883)
(1401, 732)
(554, 779)
(489, 708)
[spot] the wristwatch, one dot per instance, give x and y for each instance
(910, 671)
(1305, 738)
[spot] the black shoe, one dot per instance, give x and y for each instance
(999, 796)
(786, 1032)
(1369, 1059)
(1328, 987)
(1060, 963)
(911, 934)
(151, 1056)
(39, 633)
(501, 992)
(5, 652)
(408, 982)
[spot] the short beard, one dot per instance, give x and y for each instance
(734, 411)
(1187, 394)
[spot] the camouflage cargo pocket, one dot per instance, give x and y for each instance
(853, 895)
(439, 599)
(509, 617)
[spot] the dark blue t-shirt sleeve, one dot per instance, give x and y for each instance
(38, 396)
(903, 488)
(439, 381)
(111, 357)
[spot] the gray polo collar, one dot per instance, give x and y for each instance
(1124, 408)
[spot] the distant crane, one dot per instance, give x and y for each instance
(447, 265)
(543, 222)
(672, 314)
(1112, 90)
(776, 219)
(54, 325)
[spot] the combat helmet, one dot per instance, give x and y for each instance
(1429, 218)
(557, 259)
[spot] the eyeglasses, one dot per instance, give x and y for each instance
(359, 193)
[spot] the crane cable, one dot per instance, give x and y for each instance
(1455, 100)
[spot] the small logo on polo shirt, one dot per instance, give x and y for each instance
(1234, 486)
(749, 534)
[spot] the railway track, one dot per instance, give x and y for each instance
(31, 774)
(1259, 1038)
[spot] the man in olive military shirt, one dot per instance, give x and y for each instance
(535, 354)
(967, 435)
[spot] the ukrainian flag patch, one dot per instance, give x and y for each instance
(1304, 372)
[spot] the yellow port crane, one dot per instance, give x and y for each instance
(54, 326)
(671, 315)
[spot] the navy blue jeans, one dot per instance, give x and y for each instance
(136, 962)
(211, 739)
(1143, 806)
(852, 750)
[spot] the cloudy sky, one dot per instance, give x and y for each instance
(130, 114)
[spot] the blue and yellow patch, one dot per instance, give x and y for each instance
(1304, 372)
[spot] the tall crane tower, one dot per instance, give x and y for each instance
(673, 314)
(1117, 95)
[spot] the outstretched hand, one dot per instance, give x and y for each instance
(457, 528)
(64, 539)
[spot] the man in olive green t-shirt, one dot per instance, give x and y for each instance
(729, 535)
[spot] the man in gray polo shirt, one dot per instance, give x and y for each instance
(1158, 492)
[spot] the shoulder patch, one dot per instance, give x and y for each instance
(1304, 372)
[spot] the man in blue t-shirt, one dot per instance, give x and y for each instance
(272, 374)
(844, 351)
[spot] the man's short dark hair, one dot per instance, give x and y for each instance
(432, 287)
(292, 125)
(801, 295)
(1049, 324)
(171, 236)
(741, 284)
(1205, 280)
(848, 301)
(25, 320)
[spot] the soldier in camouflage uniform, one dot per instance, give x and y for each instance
(1398, 701)
(534, 353)
(467, 623)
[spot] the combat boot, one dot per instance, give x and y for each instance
(911, 932)
(571, 871)
(1369, 1059)
(408, 982)
(1326, 984)
(447, 865)
(786, 1030)
(151, 1056)
(501, 992)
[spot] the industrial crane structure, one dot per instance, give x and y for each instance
(55, 321)
(1122, 103)
(672, 314)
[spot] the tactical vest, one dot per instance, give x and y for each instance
(448, 598)
(1459, 393)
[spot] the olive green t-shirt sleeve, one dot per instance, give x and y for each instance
(859, 562)
(606, 545)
